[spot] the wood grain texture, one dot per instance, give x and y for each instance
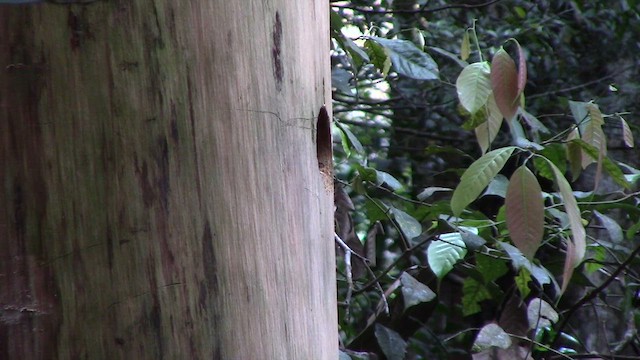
(160, 195)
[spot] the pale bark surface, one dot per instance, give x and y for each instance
(160, 192)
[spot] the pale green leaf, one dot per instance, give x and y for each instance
(525, 211)
(610, 167)
(613, 228)
(386, 178)
(477, 177)
(498, 186)
(540, 314)
(574, 154)
(465, 47)
(428, 192)
(473, 86)
(593, 134)
(627, 135)
(533, 122)
(414, 292)
(504, 82)
(486, 132)
(579, 111)
(491, 335)
(575, 219)
(445, 252)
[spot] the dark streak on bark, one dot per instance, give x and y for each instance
(192, 120)
(209, 261)
(276, 52)
(148, 197)
(155, 313)
(174, 124)
(29, 307)
(162, 162)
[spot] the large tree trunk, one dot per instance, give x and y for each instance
(160, 190)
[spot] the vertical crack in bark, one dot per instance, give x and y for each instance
(276, 52)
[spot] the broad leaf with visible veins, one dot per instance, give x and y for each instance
(477, 177)
(473, 86)
(525, 211)
(504, 82)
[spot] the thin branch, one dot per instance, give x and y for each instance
(588, 83)
(416, 11)
(595, 292)
(402, 130)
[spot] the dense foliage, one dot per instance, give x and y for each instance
(486, 183)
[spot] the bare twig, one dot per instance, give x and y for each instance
(416, 11)
(595, 292)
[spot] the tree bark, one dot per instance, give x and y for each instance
(165, 186)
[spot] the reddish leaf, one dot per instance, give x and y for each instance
(525, 211)
(569, 264)
(504, 82)
(522, 70)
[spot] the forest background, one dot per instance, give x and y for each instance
(486, 178)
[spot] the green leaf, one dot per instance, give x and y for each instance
(490, 268)
(445, 252)
(486, 132)
(408, 60)
(410, 227)
(358, 55)
(525, 211)
(477, 177)
(414, 292)
(556, 153)
(473, 86)
(522, 282)
(491, 335)
(386, 178)
(351, 140)
(504, 82)
(519, 261)
(335, 21)
(473, 293)
(378, 55)
(392, 344)
(609, 166)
